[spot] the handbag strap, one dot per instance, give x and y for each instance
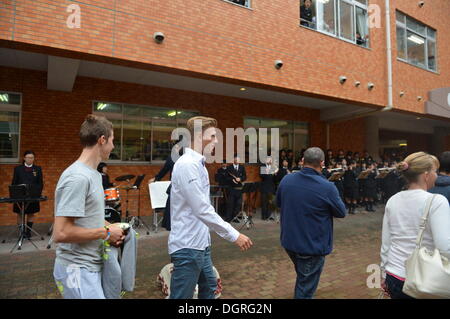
(424, 221)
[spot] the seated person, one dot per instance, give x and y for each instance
(102, 168)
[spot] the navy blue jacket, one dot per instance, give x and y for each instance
(442, 186)
(308, 203)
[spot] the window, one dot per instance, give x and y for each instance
(346, 19)
(142, 133)
(416, 43)
(293, 135)
(10, 113)
(244, 3)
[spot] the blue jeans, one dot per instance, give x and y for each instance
(192, 267)
(308, 269)
(395, 288)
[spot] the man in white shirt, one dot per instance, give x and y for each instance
(192, 217)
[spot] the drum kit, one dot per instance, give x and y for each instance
(113, 213)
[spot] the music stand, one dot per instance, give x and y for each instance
(158, 198)
(248, 189)
(136, 221)
(215, 193)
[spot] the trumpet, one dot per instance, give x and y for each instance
(234, 179)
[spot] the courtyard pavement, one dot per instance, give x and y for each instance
(263, 272)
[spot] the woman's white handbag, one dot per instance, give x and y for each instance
(427, 272)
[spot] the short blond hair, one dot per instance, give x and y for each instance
(207, 122)
(416, 164)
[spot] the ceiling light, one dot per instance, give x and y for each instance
(101, 106)
(416, 39)
(417, 118)
(402, 144)
(243, 89)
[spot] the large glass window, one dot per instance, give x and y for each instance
(416, 43)
(293, 135)
(142, 133)
(10, 111)
(244, 3)
(346, 19)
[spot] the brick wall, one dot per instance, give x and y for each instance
(51, 121)
(217, 39)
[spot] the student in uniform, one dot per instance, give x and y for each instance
(29, 174)
(267, 188)
(222, 178)
(237, 175)
(298, 167)
(351, 193)
(339, 183)
(370, 188)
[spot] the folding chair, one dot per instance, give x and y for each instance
(158, 199)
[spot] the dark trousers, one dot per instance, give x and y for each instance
(265, 210)
(394, 287)
(308, 269)
(166, 217)
(234, 203)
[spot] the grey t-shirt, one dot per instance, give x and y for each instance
(79, 194)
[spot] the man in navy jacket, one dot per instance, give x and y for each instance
(308, 203)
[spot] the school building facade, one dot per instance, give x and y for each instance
(149, 65)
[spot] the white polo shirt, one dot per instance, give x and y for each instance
(191, 212)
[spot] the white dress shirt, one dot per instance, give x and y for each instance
(401, 223)
(191, 212)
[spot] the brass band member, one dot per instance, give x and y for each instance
(30, 174)
(267, 173)
(237, 176)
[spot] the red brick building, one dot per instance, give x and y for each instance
(61, 59)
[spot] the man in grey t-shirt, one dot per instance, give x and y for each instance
(80, 227)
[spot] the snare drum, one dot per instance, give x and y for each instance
(112, 215)
(112, 194)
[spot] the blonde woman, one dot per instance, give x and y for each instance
(402, 218)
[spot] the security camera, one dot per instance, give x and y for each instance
(370, 85)
(342, 79)
(278, 64)
(158, 37)
(421, 4)
(357, 83)
(419, 98)
(402, 93)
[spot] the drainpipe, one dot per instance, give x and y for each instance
(389, 56)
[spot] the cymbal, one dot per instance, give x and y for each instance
(124, 178)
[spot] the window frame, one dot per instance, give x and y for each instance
(337, 23)
(249, 2)
(13, 108)
(292, 127)
(123, 117)
(427, 38)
